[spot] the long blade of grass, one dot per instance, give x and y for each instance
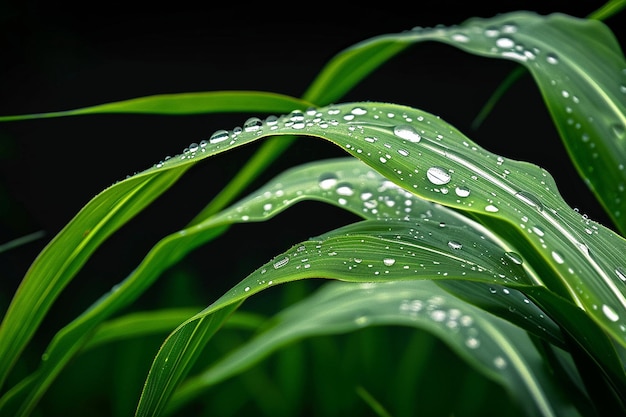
(183, 104)
(69, 250)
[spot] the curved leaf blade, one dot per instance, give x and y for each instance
(67, 252)
(494, 347)
(426, 156)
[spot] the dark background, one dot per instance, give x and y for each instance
(56, 58)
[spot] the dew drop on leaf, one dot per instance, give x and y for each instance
(345, 189)
(389, 261)
(610, 313)
(407, 132)
(491, 208)
(557, 257)
(462, 191)
(438, 175)
(619, 131)
(505, 43)
(327, 181)
(472, 342)
(499, 362)
(514, 257)
(280, 263)
(552, 59)
(529, 199)
(454, 245)
(219, 136)
(621, 273)
(253, 124)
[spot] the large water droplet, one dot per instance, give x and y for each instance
(557, 257)
(514, 257)
(219, 136)
(472, 342)
(281, 262)
(610, 313)
(438, 176)
(530, 199)
(389, 261)
(327, 181)
(621, 273)
(462, 191)
(345, 190)
(407, 132)
(505, 43)
(619, 131)
(252, 124)
(455, 245)
(552, 59)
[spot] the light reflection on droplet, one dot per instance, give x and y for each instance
(407, 132)
(438, 175)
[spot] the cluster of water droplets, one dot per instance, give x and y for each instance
(502, 40)
(450, 318)
(410, 141)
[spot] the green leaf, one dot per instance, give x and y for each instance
(494, 347)
(581, 259)
(579, 67)
(67, 252)
(368, 251)
(328, 181)
(184, 104)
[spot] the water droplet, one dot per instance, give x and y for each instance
(359, 111)
(252, 124)
(499, 362)
(538, 230)
(345, 189)
(460, 37)
(246, 289)
(438, 315)
(462, 191)
(552, 58)
(282, 262)
(491, 208)
(327, 181)
(610, 313)
(219, 136)
(455, 245)
(505, 43)
(618, 130)
(472, 342)
(438, 176)
(621, 273)
(557, 257)
(530, 199)
(407, 132)
(514, 257)
(389, 261)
